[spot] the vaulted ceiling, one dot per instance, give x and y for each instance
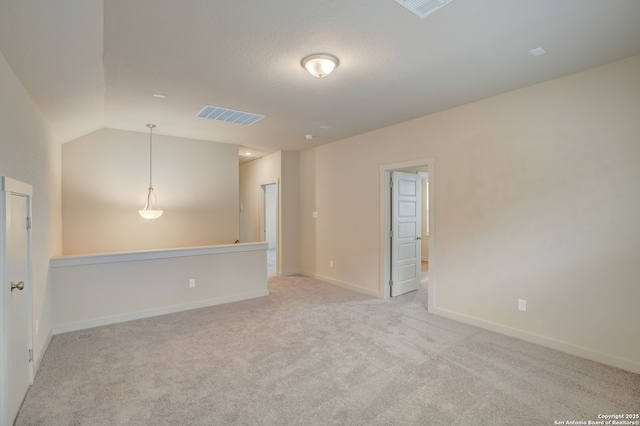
(90, 64)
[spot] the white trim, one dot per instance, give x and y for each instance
(548, 342)
(37, 358)
(15, 186)
(406, 164)
(65, 328)
(291, 272)
(346, 285)
(261, 226)
(95, 259)
(279, 226)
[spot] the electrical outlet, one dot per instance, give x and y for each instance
(314, 215)
(331, 263)
(192, 283)
(522, 305)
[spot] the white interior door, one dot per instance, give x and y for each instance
(406, 225)
(16, 298)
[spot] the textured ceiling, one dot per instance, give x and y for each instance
(90, 64)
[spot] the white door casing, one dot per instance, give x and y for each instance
(406, 227)
(17, 335)
(269, 210)
(270, 199)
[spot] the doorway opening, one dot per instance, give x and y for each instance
(269, 224)
(422, 234)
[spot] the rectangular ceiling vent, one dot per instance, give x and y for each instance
(229, 115)
(423, 8)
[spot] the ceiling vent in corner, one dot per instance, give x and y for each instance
(423, 8)
(229, 115)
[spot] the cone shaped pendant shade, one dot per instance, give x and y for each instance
(151, 210)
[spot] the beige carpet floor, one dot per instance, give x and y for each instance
(314, 354)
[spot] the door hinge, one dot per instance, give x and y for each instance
(391, 183)
(30, 355)
(390, 283)
(390, 234)
(28, 223)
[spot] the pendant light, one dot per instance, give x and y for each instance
(151, 210)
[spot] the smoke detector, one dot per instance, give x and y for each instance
(538, 51)
(423, 8)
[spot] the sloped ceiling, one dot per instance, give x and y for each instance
(90, 64)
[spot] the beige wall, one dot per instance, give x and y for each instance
(253, 175)
(281, 168)
(105, 176)
(103, 289)
(537, 194)
(27, 155)
(289, 204)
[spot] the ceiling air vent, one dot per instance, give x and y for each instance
(229, 115)
(423, 8)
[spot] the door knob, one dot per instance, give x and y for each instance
(19, 286)
(418, 238)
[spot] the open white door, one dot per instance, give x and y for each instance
(406, 225)
(16, 296)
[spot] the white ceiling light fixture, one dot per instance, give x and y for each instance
(320, 65)
(151, 210)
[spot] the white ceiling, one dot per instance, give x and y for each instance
(90, 64)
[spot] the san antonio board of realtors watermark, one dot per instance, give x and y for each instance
(605, 420)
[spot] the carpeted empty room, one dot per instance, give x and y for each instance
(312, 353)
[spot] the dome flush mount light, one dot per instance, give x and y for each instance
(320, 65)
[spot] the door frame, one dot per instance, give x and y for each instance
(261, 218)
(263, 213)
(8, 186)
(385, 225)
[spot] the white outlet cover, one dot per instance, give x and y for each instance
(522, 305)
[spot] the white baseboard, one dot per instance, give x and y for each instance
(37, 359)
(291, 272)
(65, 328)
(345, 285)
(561, 346)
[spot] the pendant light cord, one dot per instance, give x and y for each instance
(150, 156)
(150, 126)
